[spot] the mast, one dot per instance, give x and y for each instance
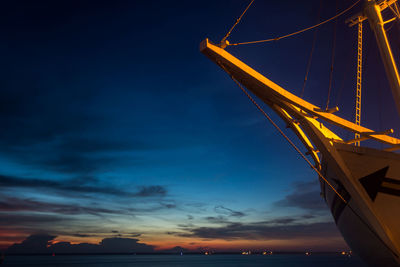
(373, 13)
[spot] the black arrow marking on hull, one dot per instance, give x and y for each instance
(378, 182)
(338, 204)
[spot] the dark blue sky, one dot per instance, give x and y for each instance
(114, 125)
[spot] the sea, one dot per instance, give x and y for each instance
(298, 260)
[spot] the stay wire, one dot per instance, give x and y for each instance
(395, 11)
(236, 23)
(287, 138)
(332, 62)
(311, 52)
(300, 31)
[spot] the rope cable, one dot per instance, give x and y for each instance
(395, 12)
(311, 52)
(287, 138)
(346, 73)
(390, 27)
(332, 62)
(397, 15)
(397, 9)
(300, 31)
(236, 23)
(380, 108)
(344, 79)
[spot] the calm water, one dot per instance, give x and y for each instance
(185, 260)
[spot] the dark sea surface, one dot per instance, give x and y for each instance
(325, 260)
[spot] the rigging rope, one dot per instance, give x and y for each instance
(300, 31)
(332, 63)
(312, 51)
(343, 83)
(236, 23)
(395, 11)
(286, 137)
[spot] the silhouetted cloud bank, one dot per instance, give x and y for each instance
(41, 244)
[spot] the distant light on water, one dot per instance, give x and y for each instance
(344, 253)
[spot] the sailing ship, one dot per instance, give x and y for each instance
(361, 185)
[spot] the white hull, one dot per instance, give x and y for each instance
(378, 246)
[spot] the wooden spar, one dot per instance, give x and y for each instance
(269, 92)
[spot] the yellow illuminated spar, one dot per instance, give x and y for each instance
(268, 91)
(360, 185)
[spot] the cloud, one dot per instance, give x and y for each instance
(25, 223)
(40, 139)
(177, 249)
(169, 205)
(50, 127)
(16, 204)
(150, 191)
(30, 215)
(226, 211)
(134, 235)
(40, 244)
(195, 207)
(12, 204)
(84, 155)
(305, 196)
(217, 220)
(88, 145)
(303, 200)
(283, 220)
(262, 231)
(31, 119)
(71, 163)
(81, 235)
(72, 186)
(34, 244)
(30, 221)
